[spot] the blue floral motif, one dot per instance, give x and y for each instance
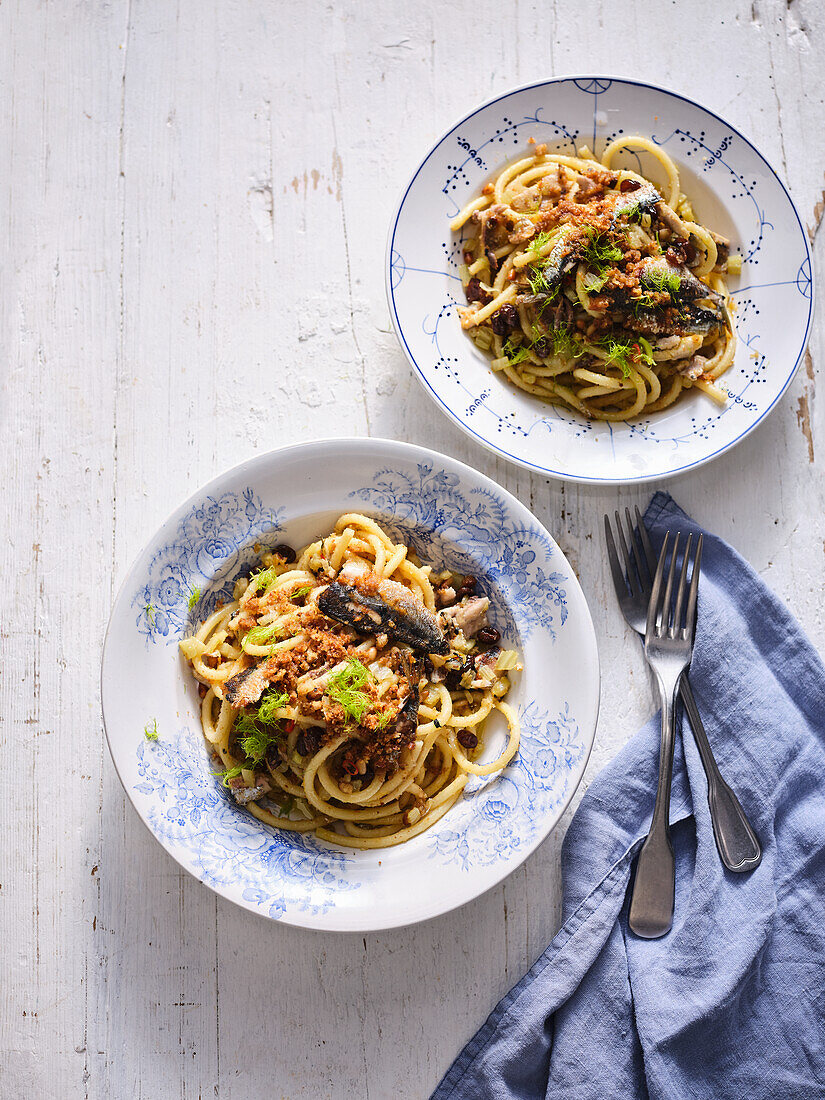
(470, 530)
(212, 543)
(435, 513)
(501, 814)
(224, 844)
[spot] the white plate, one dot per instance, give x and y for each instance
(735, 191)
(453, 516)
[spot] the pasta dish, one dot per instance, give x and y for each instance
(592, 290)
(345, 689)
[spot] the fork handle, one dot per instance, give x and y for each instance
(654, 887)
(738, 844)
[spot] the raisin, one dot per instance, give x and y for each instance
(542, 347)
(492, 261)
(452, 681)
(504, 320)
(475, 292)
(466, 588)
(307, 742)
(453, 676)
(467, 739)
(272, 754)
(285, 552)
(489, 635)
(629, 185)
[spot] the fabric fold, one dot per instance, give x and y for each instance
(731, 1003)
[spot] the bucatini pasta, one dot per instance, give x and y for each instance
(591, 290)
(346, 689)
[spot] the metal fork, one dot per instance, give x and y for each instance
(737, 843)
(671, 628)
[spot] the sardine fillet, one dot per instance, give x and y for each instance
(391, 610)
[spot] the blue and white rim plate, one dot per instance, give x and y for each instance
(453, 516)
(734, 191)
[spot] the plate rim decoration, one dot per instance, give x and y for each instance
(564, 749)
(452, 409)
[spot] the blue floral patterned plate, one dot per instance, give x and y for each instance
(734, 191)
(454, 516)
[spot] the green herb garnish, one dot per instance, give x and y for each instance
(663, 281)
(623, 353)
(296, 595)
(345, 688)
(270, 702)
(261, 635)
(150, 730)
(644, 301)
(255, 744)
(539, 284)
(231, 773)
(565, 343)
(538, 242)
(264, 579)
(194, 596)
(516, 353)
(619, 355)
(599, 251)
(254, 733)
(149, 612)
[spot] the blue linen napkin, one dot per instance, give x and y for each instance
(731, 1003)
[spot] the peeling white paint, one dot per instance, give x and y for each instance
(196, 198)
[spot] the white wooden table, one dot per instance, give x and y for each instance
(195, 198)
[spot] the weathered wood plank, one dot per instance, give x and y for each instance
(196, 199)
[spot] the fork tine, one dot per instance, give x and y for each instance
(650, 556)
(619, 582)
(690, 615)
(632, 580)
(638, 554)
(663, 622)
(653, 603)
(676, 627)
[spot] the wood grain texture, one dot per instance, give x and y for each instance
(194, 200)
